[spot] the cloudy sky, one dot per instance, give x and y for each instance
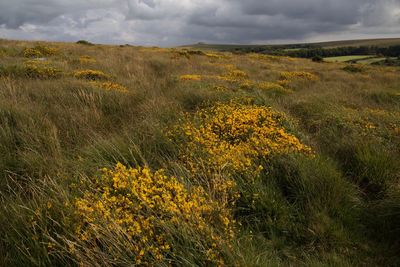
(174, 22)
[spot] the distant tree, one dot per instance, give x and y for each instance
(318, 59)
(84, 42)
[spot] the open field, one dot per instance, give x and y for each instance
(347, 58)
(122, 156)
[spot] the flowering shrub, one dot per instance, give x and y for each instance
(39, 51)
(274, 87)
(32, 52)
(269, 86)
(91, 75)
(214, 56)
(190, 77)
(143, 205)
(234, 138)
(234, 76)
(110, 86)
(293, 75)
(31, 69)
(40, 70)
(86, 60)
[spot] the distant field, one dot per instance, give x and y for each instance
(347, 58)
(367, 42)
(334, 44)
(371, 60)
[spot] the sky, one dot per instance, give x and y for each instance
(178, 22)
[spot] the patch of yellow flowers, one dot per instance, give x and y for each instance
(91, 75)
(190, 77)
(39, 51)
(293, 75)
(110, 86)
(234, 138)
(234, 76)
(144, 205)
(40, 70)
(86, 60)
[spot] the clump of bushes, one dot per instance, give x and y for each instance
(84, 42)
(33, 70)
(146, 209)
(39, 51)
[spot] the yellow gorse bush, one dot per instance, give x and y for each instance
(40, 51)
(270, 86)
(86, 60)
(293, 75)
(234, 76)
(190, 77)
(144, 205)
(91, 75)
(275, 87)
(234, 138)
(40, 70)
(110, 86)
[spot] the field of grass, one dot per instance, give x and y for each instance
(347, 58)
(123, 156)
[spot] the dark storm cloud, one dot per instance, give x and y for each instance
(171, 22)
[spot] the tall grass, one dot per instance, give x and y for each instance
(338, 207)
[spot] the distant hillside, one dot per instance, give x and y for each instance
(332, 44)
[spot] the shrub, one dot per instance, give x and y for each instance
(353, 69)
(230, 137)
(84, 42)
(33, 70)
(143, 207)
(40, 51)
(234, 76)
(86, 60)
(91, 75)
(293, 75)
(110, 86)
(317, 59)
(190, 77)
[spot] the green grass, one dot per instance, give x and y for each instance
(339, 207)
(347, 58)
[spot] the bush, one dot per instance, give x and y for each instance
(318, 59)
(93, 75)
(353, 69)
(31, 70)
(84, 42)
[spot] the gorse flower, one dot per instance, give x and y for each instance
(190, 77)
(86, 60)
(110, 86)
(143, 204)
(234, 138)
(292, 75)
(234, 76)
(40, 70)
(40, 51)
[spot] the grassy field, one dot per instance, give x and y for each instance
(122, 156)
(347, 58)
